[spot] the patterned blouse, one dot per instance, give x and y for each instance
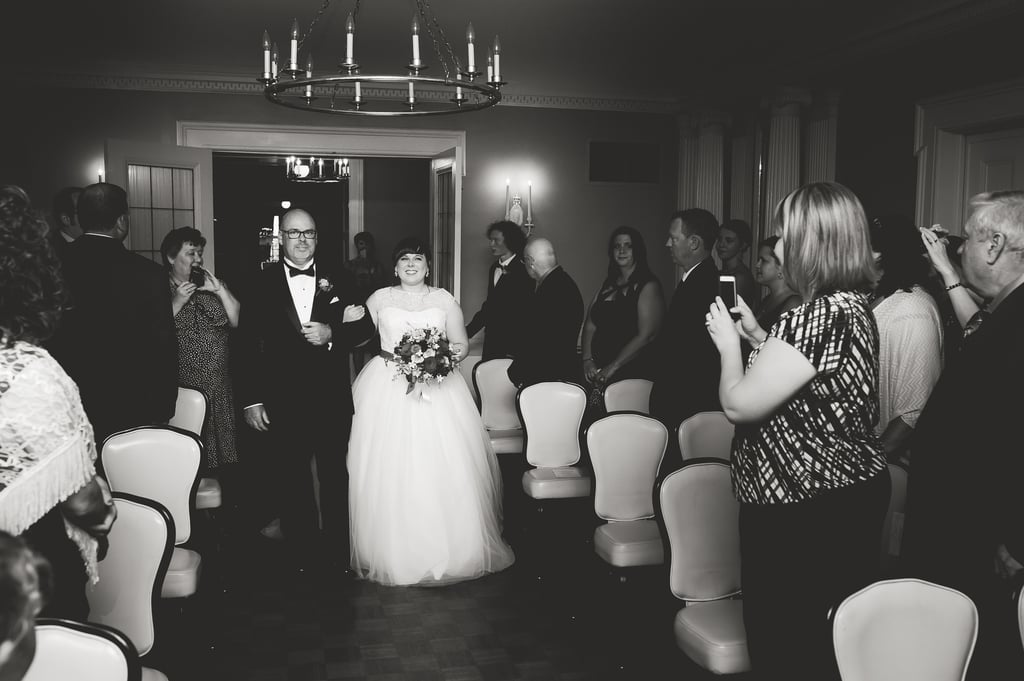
(823, 438)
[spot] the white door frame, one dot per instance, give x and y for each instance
(940, 144)
(317, 140)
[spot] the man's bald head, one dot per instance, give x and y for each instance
(539, 257)
(299, 224)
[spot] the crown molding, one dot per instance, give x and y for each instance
(233, 84)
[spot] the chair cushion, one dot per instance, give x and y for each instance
(628, 544)
(208, 494)
(565, 482)
(182, 577)
(149, 674)
(506, 441)
(712, 635)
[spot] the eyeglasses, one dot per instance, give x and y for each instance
(295, 234)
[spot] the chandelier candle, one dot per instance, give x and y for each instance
(266, 55)
(273, 61)
(497, 60)
(350, 38)
(412, 96)
(293, 62)
(490, 67)
(415, 47)
(359, 96)
(471, 52)
(309, 88)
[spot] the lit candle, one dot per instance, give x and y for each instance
(490, 67)
(529, 202)
(359, 96)
(412, 96)
(415, 41)
(350, 38)
(458, 90)
(470, 37)
(309, 74)
(273, 61)
(497, 60)
(320, 167)
(277, 226)
(266, 54)
(293, 63)
(508, 204)
(288, 165)
(100, 173)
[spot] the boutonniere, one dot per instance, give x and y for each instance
(325, 285)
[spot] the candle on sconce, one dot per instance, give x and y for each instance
(293, 62)
(415, 41)
(529, 202)
(470, 49)
(101, 174)
(266, 54)
(350, 38)
(508, 204)
(497, 59)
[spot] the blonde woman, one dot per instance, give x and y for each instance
(807, 467)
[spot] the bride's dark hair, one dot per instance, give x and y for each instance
(410, 244)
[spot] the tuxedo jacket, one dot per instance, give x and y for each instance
(503, 313)
(688, 361)
(284, 372)
(553, 321)
(117, 339)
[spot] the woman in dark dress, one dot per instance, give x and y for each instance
(768, 273)
(625, 315)
(204, 311)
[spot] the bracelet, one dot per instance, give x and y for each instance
(953, 286)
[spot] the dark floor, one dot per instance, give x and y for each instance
(558, 613)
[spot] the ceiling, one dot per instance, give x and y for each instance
(663, 50)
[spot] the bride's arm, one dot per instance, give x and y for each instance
(456, 330)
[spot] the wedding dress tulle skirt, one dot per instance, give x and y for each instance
(424, 484)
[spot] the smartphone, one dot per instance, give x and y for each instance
(197, 276)
(727, 290)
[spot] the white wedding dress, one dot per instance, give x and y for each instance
(424, 484)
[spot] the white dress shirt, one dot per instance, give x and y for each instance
(502, 263)
(303, 289)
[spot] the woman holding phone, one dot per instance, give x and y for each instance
(204, 311)
(807, 466)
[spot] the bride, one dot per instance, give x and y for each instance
(425, 488)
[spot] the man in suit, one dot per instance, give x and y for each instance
(964, 527)
(117, 339)
(65, 217)
(509, 289)
(306, 318)
(553, 321)
(687, 380)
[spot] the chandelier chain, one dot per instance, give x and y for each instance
(316, 18)
(430, 20)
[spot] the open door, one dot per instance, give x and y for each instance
(168, 186)
(446, 220)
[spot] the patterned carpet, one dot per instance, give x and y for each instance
(557, 614)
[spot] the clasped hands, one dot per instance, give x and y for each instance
(318, 333)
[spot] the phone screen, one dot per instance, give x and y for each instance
(727, 290)
(197, 276)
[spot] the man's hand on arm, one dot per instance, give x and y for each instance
(257, 418)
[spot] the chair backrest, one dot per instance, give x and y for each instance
(626, 450)
(497, 395)
(83, 652)
(551, 413)
(1020, 612)
(189, 410)
(707, 434)
(892, 528)
(141, 541)
(701, 518)
(905, 630)
(629, 394)
(159, 463)
(467, 367)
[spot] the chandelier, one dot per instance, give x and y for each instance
(349, 91)
(317, 169)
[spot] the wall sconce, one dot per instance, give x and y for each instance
(514, 207)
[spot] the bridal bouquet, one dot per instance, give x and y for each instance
(423, 356)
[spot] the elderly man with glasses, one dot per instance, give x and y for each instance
(306, 318)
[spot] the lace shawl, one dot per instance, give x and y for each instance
(47, 450)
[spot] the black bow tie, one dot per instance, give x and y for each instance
(295, 271)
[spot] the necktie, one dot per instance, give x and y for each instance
(295, 271)
(975, 322)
